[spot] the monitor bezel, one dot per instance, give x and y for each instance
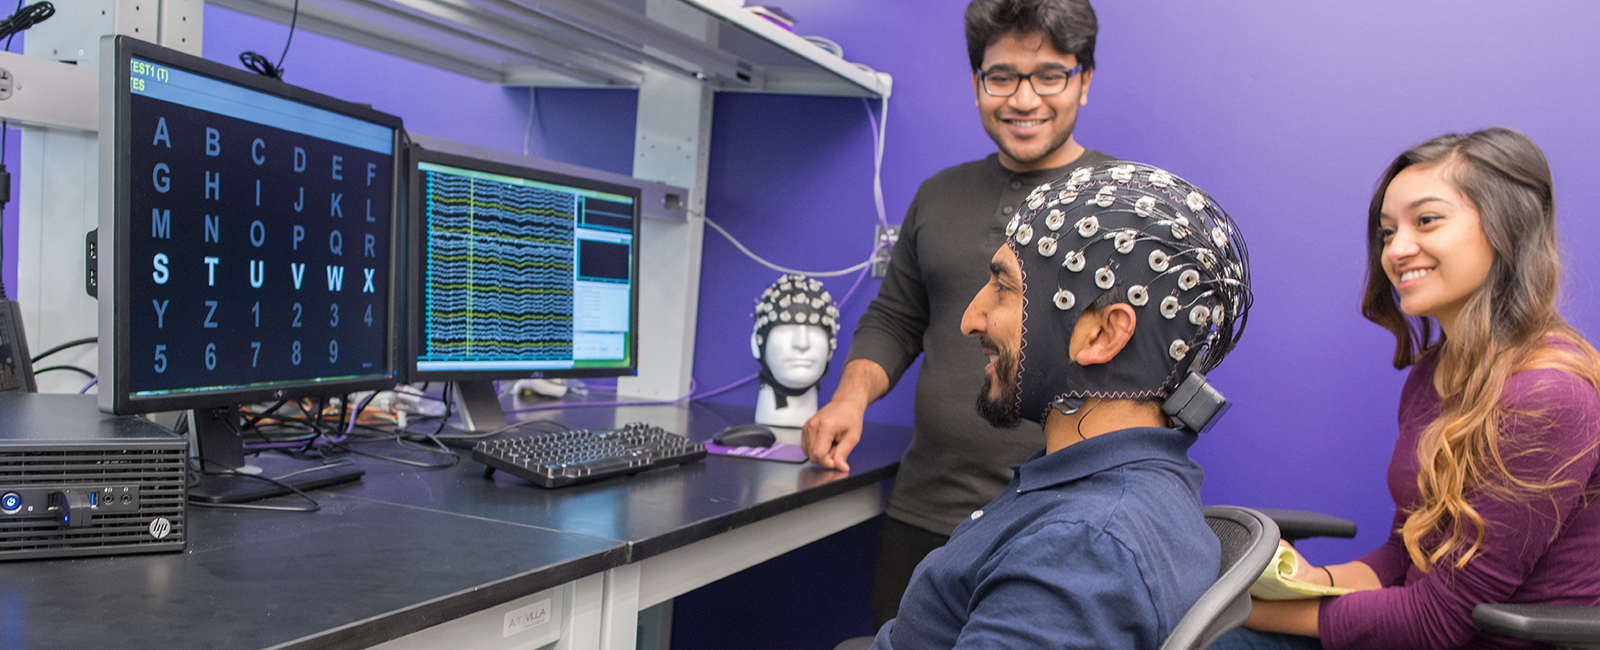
(115, 218)
(416, 154)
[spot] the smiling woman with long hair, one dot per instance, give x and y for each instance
(1495, 466)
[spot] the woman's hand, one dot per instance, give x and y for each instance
(1303, 570)
(1350, 575)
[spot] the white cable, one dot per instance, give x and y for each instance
(527, 133)
(877, 195)
(775, 267)
(877, 163)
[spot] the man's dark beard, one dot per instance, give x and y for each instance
(1001, 412)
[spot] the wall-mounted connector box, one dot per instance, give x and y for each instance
(883, 241)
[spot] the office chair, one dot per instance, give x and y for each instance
(1564, 627)
(1249, 540)
(1295, 525)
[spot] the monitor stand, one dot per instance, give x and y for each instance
(479, 406)
(221, 448)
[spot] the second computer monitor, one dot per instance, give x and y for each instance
(518, 272)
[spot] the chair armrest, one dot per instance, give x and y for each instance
(1299, 524)
(1563, 624)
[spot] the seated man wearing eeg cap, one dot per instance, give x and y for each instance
(1115, 291)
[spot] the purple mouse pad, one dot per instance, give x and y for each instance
(781, 452)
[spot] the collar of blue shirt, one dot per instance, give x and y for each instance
(1104, 452)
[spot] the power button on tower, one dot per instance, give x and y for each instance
(11, 503)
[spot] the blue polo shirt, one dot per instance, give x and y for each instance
(1099, 545)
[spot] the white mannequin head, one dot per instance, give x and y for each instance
(793, 339)
(796, 355)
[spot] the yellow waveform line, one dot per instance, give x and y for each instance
(482, 313)
(475, 203)
(482, 288)
(437, 346)
(469, 257)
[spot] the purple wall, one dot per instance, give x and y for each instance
(13, 158)
(1286, 113)
(8, 216)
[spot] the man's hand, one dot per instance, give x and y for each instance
(830, 435)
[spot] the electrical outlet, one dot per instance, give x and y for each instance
(7, 84)
(883, 241)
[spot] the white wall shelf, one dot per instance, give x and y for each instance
(583, 43)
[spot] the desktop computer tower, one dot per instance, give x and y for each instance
(76, 482)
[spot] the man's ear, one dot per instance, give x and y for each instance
(1083, 94)
(1100, 335)
(977, 89)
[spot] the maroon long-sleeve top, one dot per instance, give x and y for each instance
(1535, 549)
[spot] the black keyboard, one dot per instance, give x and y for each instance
(585, 455)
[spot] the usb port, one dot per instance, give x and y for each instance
(94, 499)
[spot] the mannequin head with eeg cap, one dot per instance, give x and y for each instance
(794, 337)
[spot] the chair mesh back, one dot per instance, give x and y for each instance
(1235, 540)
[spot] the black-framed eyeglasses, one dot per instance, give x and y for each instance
(1004, 83)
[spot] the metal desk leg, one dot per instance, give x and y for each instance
(619, 617)
(580, 630)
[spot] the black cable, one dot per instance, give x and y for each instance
(402, 438)
(275, 481)
(14, 12)
(265, 414)
(449, 403)
(356, 416)
(64, 346)
(454, 459)
(24, 18)
(40, 371)
(558, 428)
(260, 64)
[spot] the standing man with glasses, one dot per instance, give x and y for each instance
(1032, 61)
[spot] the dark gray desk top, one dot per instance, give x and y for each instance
(355, 573)
(407, 549)
(655, 511)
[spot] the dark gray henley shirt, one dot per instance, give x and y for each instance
(957, 462)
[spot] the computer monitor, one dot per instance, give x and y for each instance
(248, 239)
(515, 273)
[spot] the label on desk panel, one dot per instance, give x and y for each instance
(527, 618)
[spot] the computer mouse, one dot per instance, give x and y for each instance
(745, 435)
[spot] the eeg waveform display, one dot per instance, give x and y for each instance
(520, 274)
(500, 269)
